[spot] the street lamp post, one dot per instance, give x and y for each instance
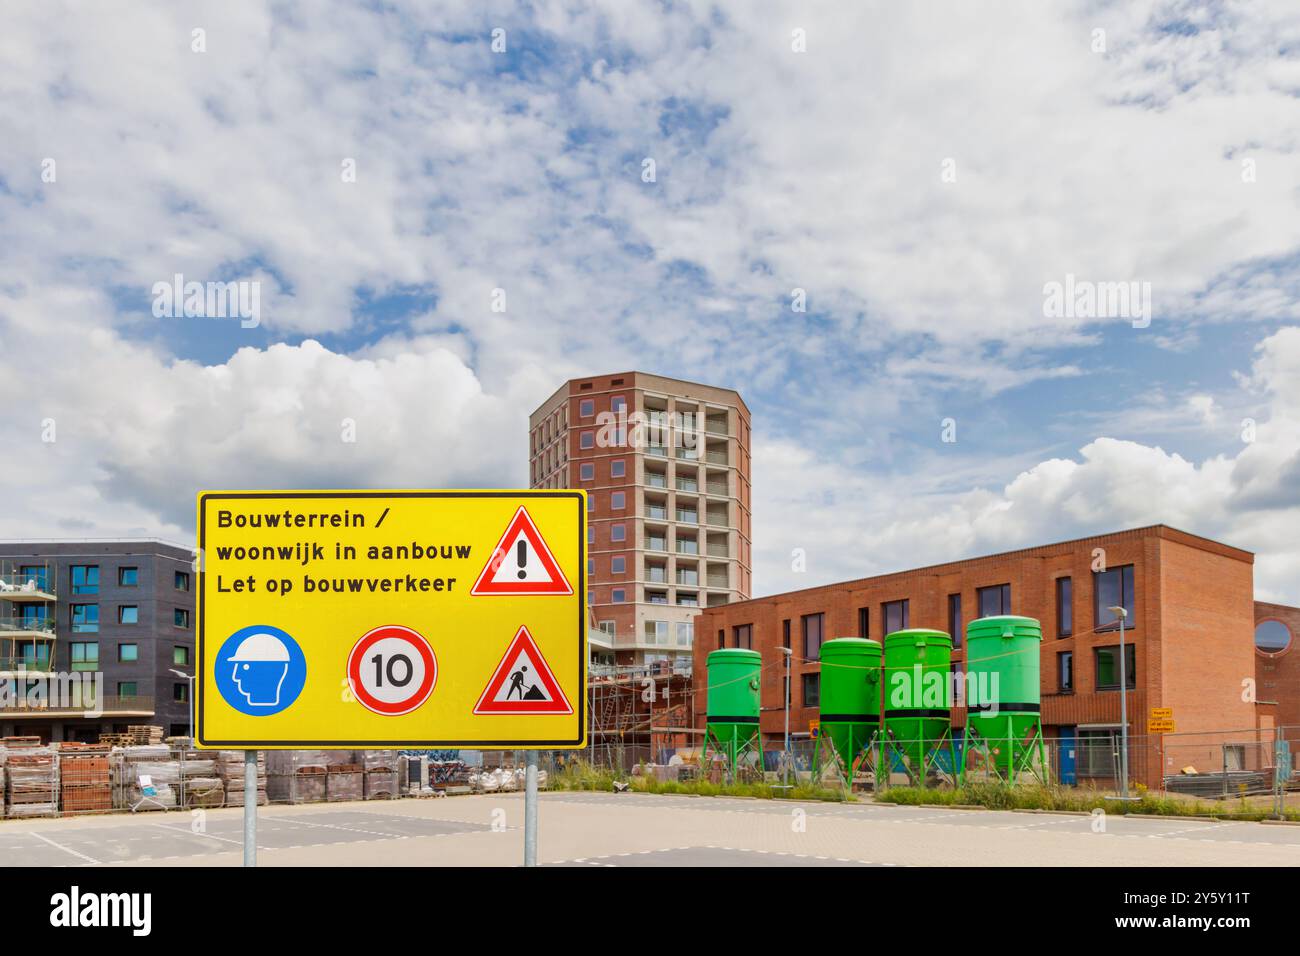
(1121, 612)
(190, 678)
(787, 653)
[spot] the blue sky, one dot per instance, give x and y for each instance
(920, 174)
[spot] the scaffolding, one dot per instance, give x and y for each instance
(641, 713)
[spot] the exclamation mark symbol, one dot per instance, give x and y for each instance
(521, 558)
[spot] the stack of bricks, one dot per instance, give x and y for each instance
(380, 774)
(31, 781)
(345, 779)
(230, 768)
(85, 784)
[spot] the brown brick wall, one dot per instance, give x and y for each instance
(1277, 676)
(1192, 626)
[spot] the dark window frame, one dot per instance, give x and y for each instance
(904, 604)
(864, 622)
(1127, 600)
(954, 619)
(813, 653)
(1130, 666)
(1064, 607)
(1004, 599)
(1064, 666)
(811, 682)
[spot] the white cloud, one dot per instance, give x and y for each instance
(853, 524)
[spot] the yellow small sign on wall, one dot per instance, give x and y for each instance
(388, 619)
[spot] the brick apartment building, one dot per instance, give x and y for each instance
(121, 608)
(1277, 665)
(1189, 636)
(666, 467)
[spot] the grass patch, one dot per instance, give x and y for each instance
(583, 776)
(1000, 796)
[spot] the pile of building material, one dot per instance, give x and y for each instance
(201, 786)
(298, 776)
(3, 757)
(344, 780)
(230, 768)
(85, 780)
(142, 735)
(381, 774)
(31, 780)
(147, 777)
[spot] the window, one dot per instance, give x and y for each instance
(744, 634)
(994, 601)
(618, 500)
(127, 688)
(1064, 607)
(181, 692)
(33, 655)
(811, 690)
(618, 564)
(181, 617)
(85, 578)
(85, 618)
(618, 596)
(1098, 752)
(1112, 588)
(128, 577)
(591, 566)
(591, 598)
(591, 534)
(656, 543)
(587, 440)
(128, 614)
(617, 468)
(954, 619)
(1108, 666)
(785, 633)
(895, 615)
(722, 638)
(618, 532)
(35, 572)
(656, 632)
(688, 546)
(1272, 637)
(181, 581)
(812, 635)
(864, 622)
(180, 654)
(685, 633)
(618, 403)
(128, 653)
(587, 407)
(586, 471)
(591, 503)
(688, 600)
(1065, 672)
(84, 655)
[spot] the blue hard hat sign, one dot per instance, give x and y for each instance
(260, 670)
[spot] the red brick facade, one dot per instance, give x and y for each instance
(1191, 624)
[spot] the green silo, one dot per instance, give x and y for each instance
(918, 697)
(732, 702)
(1004, 706)
(850, 695)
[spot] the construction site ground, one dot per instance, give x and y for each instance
(629, 829)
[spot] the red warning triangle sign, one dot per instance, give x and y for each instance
(521, 563)
(523, 683)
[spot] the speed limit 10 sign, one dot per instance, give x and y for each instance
(386, 619)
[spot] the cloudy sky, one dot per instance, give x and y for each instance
(922, 171)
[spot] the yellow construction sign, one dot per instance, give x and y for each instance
(1160, 727)
(1162, 713)
(391, 619)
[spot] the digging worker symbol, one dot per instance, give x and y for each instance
(517, 684)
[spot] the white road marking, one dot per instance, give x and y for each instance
(65, 849)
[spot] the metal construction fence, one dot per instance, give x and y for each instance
(1215, 764)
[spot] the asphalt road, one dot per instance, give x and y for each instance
(599, 829)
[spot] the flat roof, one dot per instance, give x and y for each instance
(1155, 530)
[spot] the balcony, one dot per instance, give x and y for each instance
(656, 512)
(23, 586)
(656, 479)
(718, 489)
(689, 485)
(688, 516)
(110, 705)
(716, 457)
(17, 627)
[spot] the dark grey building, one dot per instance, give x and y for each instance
(73, 610)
